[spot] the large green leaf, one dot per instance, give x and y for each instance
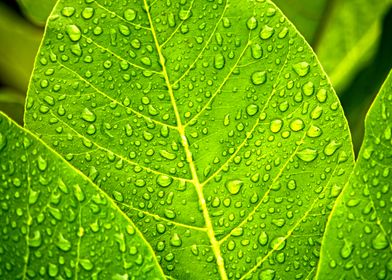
(37, 10)
(350, 38)
(357, 243)
(307, 15)
(57, 223)
(210, 123)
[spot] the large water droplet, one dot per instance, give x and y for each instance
(251, 23)
(259, 77)
(130, 14)
(380, 242)
(276, 125)
(234, 186)
(88, 115)
(307, 154)
(73, 32)
(219, 61)
(266, 32)
(301, 68)
(164, 180)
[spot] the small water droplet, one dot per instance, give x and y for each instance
(297, 125)
(219, 61)
(73, 32)
(251, 23)
(88, 115)
(252, 109)
(130, 14)
(276, 125)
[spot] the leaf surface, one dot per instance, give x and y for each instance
(211, 124)
(57, 223)
(357, 241)
(350, 38)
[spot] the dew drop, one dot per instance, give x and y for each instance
(267, 274)
(259, 77)
(276, 125)
(347, 249)
(251, 23)
(88, 116)
(331, 148)
(263, 238)
(252, 109)
(175, 240)
(314, 131)
(297, 125)
(130, 14)
(164, 180)
(380, 242)
(73, 32)
(219, 61)
(257, 51)
(307, 154)
(88, 13)
(234, 186)
(266, 32)
(62, 243)
(301, 68)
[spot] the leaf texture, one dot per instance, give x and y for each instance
(56, 224)
(210, 123)
(357, 241)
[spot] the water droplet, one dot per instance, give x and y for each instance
(130, 14)
(257, 51)
(42, 163)
(234, 186)
(88, 116)
(263, 238)
(86, 264)
(252, 109)
(276, 125)
(347, 249)
(62, 243)
(307, 154)
(278, 243)
(175, 240)
(297, 125)
(219, 61)
(73, 32)
(291, 185)
(266, 32)
(68, 11)
(167, 155)
(251, 23)
(308, 88)
(321, 95)
(267, 274)
(164, 180)
(301, 68)
(380, 242)
(88, 13)
(331, 148)
(314, 131)
(170, 214)
(259, 77)
(316, 112)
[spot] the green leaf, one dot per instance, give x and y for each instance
(37, 10)
(211, 124)
(12, 103)
(19, 45)
(350, 38)
(55, 222)
(358, 237)
(307, 15)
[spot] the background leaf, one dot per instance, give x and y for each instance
(37, 10)
(56, 223)
(357, 240)
(350, 38)
(306, 15)
(200, 120)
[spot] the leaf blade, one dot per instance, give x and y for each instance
(56, 235)
(359, 215)
(158, 126)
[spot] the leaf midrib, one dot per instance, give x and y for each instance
(195, 179)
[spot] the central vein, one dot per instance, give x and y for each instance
(195, 179)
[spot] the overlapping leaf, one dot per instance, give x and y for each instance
(37, 10)
(210, 123)
(56, 224)
(351, 38)
(357, 241)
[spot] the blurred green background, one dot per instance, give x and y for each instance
(352, 38)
